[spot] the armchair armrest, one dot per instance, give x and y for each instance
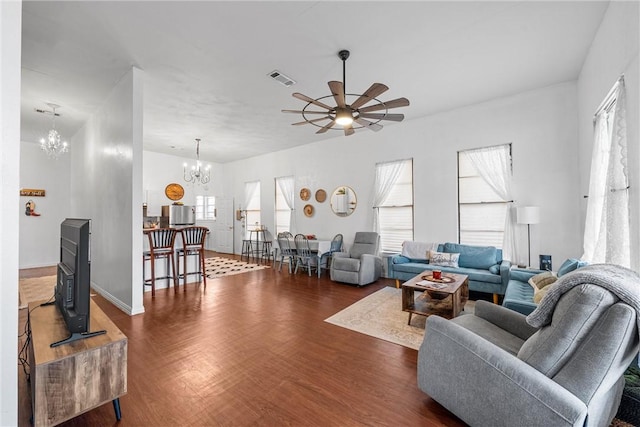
(511, 321)
(370, 268)
(340, 255)
(484, 385)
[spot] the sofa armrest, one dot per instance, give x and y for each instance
(511, 321)
(485, 385)
(524, 274)
(505, 274)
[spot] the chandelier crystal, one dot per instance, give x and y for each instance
(196, 174)
(53, 146)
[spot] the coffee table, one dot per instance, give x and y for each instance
(445, 297)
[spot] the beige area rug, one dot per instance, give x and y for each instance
(380, 315)
(35, 289)
(219, 266)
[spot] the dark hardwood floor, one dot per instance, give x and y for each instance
(253, 349)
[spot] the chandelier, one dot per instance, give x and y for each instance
(196, 174)
(52, 145)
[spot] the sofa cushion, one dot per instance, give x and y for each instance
(476, 275)
(495, 269)
(473, 256)
(443, 259)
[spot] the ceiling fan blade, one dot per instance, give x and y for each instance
(337, 90)
(374, 91)
(311, 100)
(400, 102)
(348, 130)
(311, 121)
(369, 125)
(304, 112)
(382, 116)
(327, 127)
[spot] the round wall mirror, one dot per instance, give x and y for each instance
(343, 201)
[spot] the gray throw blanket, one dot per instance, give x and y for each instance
(621, 281)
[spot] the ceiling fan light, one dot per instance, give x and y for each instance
(343, 117)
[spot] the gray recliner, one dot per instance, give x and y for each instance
(362, 264)
(493, 368)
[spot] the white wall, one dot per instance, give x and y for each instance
(106, 184)
(40, 235)
(540, 124)
(159, 170)
(10, 44)
(614, 52)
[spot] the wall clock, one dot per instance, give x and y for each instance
(174, 191)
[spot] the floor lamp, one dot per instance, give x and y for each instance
(528, 215)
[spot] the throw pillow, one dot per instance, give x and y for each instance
(538, 295)
(443, 259)
(495, 269)
(542, 280)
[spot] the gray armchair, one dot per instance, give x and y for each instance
(493, 368)
(362, 264)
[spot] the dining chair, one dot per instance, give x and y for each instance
(286, 251)
(336, 246)
(304, 256)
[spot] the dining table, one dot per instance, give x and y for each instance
(317, 246)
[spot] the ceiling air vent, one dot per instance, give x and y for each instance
(281, 78)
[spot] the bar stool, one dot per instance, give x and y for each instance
(246, 249)
(161, 246)
(192, 244)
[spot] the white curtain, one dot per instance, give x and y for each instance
(606, 232)
(494, 166)
(387, 175)
(250, 189)
(287, 186)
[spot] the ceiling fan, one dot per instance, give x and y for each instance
(345, 114)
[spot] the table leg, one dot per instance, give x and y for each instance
(116, 408)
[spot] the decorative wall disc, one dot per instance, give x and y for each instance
(321, 196)
(308, 210)
(305, 194)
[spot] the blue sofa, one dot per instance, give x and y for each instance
(519, 293)
(484, 265)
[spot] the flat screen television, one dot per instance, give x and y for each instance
(73, 286)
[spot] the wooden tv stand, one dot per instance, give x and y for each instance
(74, 378)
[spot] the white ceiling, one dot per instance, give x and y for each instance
(206, 63)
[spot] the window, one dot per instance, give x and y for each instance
(206, 208)
(482, 212)
(252, 203)
(394, 203)
(284, 203)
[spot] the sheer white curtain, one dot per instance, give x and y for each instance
(494, 166)
(387, 175)
(606, 232)
(287, 187)
(250, 189)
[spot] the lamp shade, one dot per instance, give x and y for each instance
(528, 215)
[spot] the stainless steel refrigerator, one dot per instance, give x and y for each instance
(179, 215)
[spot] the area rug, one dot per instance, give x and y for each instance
(380, 315)
(219, 266)
(35, 289)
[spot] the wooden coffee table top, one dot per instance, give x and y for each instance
(419, 282)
